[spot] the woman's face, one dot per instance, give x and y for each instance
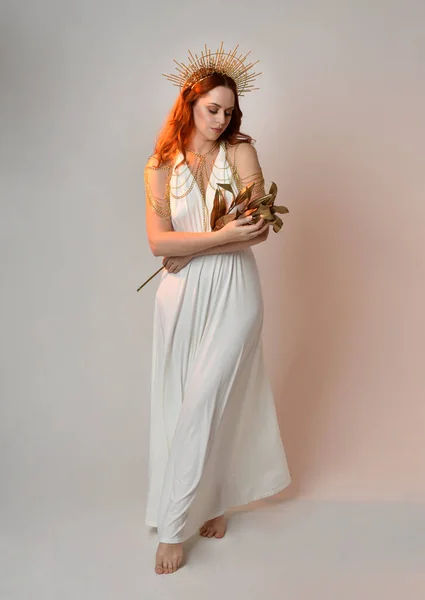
(213, 111)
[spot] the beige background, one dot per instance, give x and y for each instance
(340, 127)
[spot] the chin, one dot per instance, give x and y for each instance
(212, 136)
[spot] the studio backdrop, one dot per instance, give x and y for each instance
(339, 124)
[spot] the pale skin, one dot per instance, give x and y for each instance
(213, 110)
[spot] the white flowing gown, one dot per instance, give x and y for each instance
(214, 439)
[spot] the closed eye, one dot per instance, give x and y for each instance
(214, 112)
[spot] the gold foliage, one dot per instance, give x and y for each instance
(245, 206)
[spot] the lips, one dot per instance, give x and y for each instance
(216, 130)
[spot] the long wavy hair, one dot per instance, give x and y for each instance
(179, 125)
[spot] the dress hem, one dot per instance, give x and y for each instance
(221, 512)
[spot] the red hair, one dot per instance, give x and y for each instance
(179, 125)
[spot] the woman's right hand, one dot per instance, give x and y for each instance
(239, 230)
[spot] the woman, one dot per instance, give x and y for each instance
(214, 436)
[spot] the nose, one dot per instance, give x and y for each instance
(221, 121)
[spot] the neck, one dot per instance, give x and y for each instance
(200, 145)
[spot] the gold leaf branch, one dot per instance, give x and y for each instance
(245, 206)
(147, 280)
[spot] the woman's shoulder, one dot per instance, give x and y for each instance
(154, 163)
(157, 176)
(243, 156)
(240, 143)
(242, 150)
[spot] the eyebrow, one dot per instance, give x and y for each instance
(215, 104)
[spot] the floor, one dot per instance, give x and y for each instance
(294, 550)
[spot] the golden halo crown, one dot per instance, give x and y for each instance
(226, 63)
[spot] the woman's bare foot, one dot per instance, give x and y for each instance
(168, 558)
(214, 527)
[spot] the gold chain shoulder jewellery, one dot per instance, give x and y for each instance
(160, 205)
(201, 166)
(197, 176)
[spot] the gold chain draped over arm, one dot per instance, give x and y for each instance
(257, 178)
(157, 188)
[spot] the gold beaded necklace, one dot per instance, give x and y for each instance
(201, 168)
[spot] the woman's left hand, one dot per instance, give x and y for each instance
(174, 264)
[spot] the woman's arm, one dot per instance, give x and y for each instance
(177, 243)
(174, 264)
(234, 246)
(248, 169)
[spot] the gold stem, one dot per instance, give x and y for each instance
(147, 280)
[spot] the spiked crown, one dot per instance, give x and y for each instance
(208, 63)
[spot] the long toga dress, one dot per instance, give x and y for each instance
(214, 439)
